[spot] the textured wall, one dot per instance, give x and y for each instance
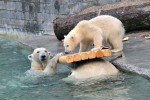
(36, 16)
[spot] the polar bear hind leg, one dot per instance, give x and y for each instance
(116, 43)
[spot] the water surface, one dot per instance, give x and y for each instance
(15, 85)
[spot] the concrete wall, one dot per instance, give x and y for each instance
(36, 16)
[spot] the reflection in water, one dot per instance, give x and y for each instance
(16, 85)
(104, 90)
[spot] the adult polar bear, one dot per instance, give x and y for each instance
(93, 68)
(101, 28)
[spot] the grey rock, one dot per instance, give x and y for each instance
(18, 6)
(3, 14)
(2, 5)
(136, 55)
(11, 5)
(20, 15)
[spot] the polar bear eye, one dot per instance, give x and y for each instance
(37, 51)
(67, 45)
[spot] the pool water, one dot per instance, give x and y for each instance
(15, 85)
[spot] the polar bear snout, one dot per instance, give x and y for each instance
(67, 52)
(43, 57)
(67, 49)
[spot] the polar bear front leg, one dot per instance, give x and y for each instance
(83, 46)
(52, 64)
(98, 40)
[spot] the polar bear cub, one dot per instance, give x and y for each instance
(41, 60)
(101, 28)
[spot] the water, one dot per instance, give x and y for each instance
(15, 85)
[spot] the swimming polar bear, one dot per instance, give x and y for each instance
(40, 60)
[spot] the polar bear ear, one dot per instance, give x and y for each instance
(72, 37)
(30, 57)
(49, 53)
(65, 36)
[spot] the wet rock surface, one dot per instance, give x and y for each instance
(135, 57)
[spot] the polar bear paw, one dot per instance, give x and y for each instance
(59, 54)
(56, 57)
(116, 50)
(95, 49)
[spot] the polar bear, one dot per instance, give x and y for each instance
(41, 60)
(92, 68)
(101, 28)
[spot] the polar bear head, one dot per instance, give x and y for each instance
(39, 55)
(70, 42)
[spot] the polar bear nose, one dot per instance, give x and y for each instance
(66, 52)
(43, 57)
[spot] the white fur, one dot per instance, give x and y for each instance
(92, 69)
(45, 64)
(36, 58)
